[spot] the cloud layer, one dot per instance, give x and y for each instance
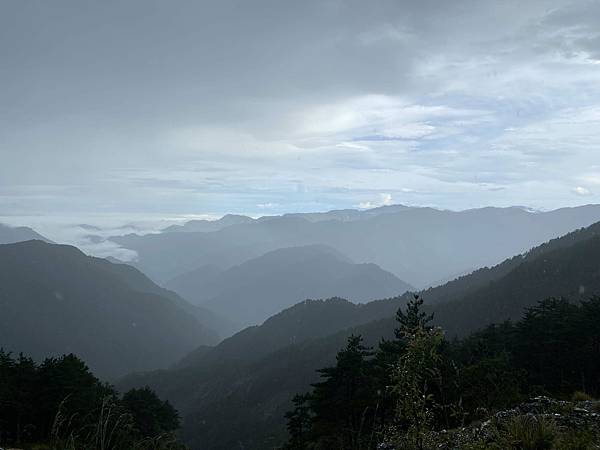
(173, 108)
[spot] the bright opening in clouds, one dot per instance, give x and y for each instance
(163, 109)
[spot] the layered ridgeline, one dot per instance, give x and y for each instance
(55, 300)
(209, 225)
(10, 235)
(421, 246)
(256, 289)
(239, 391)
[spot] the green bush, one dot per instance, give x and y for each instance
(529, 432)
(580, 396)
(576, 440)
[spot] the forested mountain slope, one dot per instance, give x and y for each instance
(55, 300)
(254, 392)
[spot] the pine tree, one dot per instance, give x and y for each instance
(151, 415)
(299, 422)
(388, 354)
(417, 373)
(340, 406)
(413, 319)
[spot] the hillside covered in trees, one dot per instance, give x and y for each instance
(407, 388)
(246, 383)
(60, 405)
(56, 300)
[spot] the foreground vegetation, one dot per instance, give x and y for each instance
(60, 405)
(420, 390)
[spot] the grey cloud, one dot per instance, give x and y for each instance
(209, 107)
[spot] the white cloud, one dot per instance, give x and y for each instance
(582, 191)
(269, 205)
(380, 117)
(385, 199)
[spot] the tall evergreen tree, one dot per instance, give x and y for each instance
(151, 415)
(413, 319)
(342, 401)
(547, 334)
(388, 354)
(416, 377)
(299, 423)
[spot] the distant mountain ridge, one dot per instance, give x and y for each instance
(204, 226)
(261, 287)
(55, 300)
(10, 235)
(418, 245)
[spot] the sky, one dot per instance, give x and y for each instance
(175, 109)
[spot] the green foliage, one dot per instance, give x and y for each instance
(566, 269)
(435, 384)
(61, 405)
(580, 396)
(529, 432)
(417, 379)
(299, 422)
(492, 382)
(576, 440)
(151, 416)
(413, 319)
(341, 401)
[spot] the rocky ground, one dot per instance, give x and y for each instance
(542, 423)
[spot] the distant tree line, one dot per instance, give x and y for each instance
(60, 404)
(420, 381)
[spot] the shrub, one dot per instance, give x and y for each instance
(576, 440)
(529, 432)
(580, 396)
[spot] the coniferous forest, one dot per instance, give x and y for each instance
(407, 390)
(60, 405)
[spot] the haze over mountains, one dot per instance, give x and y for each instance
(377, 221)
(421, 246)
(54, 299)
(209, 225)
(249, 379)
(256, 289)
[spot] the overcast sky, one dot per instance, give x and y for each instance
(173, 108)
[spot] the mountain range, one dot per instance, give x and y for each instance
(209, 225)
(261, 287)
(421, 246)
(236, 393)
(270, 273)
